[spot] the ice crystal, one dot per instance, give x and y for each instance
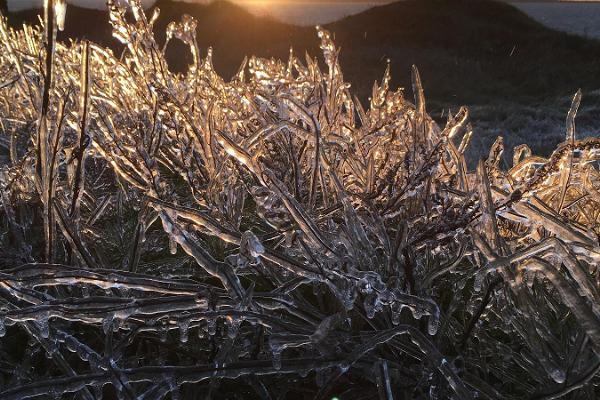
(315, 246)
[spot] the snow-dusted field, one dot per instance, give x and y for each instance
(579, 18)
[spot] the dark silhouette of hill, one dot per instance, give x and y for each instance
(471, 50)
(467, 51)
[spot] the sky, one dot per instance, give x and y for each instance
(304, 12)
(311, 12)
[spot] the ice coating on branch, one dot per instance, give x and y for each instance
(43, 325)
(297, 229)
(184, 326)
(211, 326)
(60, 10)
(250, 245)
(172, 246)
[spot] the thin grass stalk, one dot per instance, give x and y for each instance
(42, 151)
(84, 138)
(52, 178)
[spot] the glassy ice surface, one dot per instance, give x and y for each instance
(270, 234)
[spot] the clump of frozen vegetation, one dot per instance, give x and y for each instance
(165, 235)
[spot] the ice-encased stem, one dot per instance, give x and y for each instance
(43, 138)
(84, 137)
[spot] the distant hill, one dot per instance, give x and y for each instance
(466, 50)
(469, 52)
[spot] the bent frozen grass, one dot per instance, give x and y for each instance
(172, 234)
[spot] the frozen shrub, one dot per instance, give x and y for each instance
(174, 234)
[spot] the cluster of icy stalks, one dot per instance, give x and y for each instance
(183, 236)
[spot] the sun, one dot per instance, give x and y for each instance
(260, 6)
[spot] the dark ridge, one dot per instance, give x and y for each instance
(468, 52)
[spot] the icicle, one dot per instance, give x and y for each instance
(60, 10)
(172, 245)
(372, 305)
(395, 316)
(44, 326)
(250, 245)
(433, 324)
(520, 152)
(233, 325)
(184, 326)
(107, 324)
(211, 324)
(571, 117)
(276, 351)
(163, 333)
(174, 389)
(558, 375)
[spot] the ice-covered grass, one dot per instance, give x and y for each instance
(168, 235)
